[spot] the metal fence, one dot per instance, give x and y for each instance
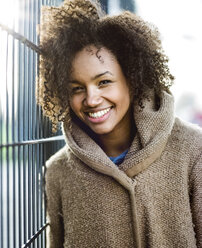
(25, 135)
(26, 141)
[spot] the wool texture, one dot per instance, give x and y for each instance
(153, 199)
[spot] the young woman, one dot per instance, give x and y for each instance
(130, 174)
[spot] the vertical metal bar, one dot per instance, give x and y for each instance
(24, 106)
(42, 203)
(24, 148)
(19, 117)
(35, 191)
(25, 227)
(21, 225)
(39, 183)
(35, 15)
(7, 155)
(15, 138)
(38, 189)
(13, 149)
(28, 121)
(31, 105)
(1, 167)
(26, 125)
(37, 114)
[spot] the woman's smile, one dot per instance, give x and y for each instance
(99, 113)
(99, 93)
(99, 116)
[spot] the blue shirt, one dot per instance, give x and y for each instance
(119, 159)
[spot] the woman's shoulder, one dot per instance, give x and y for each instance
(187, 135)
(57, 160)
(187, 128)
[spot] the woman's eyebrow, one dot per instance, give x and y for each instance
(74, 82)
(101, 74)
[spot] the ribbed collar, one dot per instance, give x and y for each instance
(153, 129)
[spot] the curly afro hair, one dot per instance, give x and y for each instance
(67, 29)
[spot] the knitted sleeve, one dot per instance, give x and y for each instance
(196, 200)
(55, 234)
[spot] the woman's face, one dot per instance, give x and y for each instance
(99, 94)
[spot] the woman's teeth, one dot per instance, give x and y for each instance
(99, 113)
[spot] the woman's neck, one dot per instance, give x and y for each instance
(117, 142)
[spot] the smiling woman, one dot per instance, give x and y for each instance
(130, 174)
(99, 94)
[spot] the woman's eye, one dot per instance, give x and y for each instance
(104, 82)
(77, 89)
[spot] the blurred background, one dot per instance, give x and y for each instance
(26, 140)
(180, 25)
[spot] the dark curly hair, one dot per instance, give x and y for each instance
(67, 29)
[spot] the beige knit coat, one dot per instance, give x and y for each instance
(152, 200)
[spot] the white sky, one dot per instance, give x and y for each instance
(180, 23)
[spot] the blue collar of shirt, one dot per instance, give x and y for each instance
(119, 159)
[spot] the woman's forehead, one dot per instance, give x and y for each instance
(93, 51)
(91, 57)
(91, 62)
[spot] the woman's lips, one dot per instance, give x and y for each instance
(99, 116)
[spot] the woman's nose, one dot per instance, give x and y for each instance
(92, 98)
